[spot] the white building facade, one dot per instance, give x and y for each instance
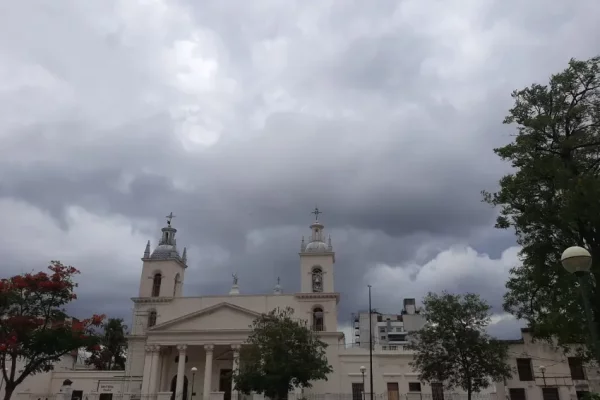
(544, 372)
(186, 347)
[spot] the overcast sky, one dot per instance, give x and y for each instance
(240, 116)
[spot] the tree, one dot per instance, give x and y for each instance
(453, 347)
(109, 354)
(281, 353)
(35, 331)
(552, 200)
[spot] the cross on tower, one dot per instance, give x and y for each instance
(316, 212)
(170, 218)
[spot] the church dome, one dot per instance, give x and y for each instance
(316, 247)
(164, 252)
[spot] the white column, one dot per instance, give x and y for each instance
(208, 371)
(180, 372)
(234, 368)
(147, 370)
(156, 363)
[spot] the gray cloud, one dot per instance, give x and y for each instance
(240, 118)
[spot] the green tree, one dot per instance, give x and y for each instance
(281, 353)
(453, 347)
(35, 331)
(109, 354)
(552, 199)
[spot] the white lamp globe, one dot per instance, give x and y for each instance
(576, 259)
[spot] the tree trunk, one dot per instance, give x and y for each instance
(8, 391)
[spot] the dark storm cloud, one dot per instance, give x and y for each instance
(384, 115)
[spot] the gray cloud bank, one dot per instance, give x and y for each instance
(241, 117)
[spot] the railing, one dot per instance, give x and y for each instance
(392, 396)
(386, 348)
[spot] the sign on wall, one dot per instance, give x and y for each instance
(110, 386)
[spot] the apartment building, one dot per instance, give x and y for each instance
(387, 329)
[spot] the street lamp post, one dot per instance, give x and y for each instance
(578, 261)
(370, 347)
(362, 371)
(543, 371)
(194, 370)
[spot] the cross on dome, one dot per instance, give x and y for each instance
(170, 218)
(316, 212)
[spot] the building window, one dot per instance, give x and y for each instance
(156, 284)
(550, 393)
(524, 369)
(382, 330)
(517, 394)
(318, 322)
(317, 279)
(357, 391)
(151, 319)
(581, 394)
(77, 395)
(177, 282)
(414, 386)
(576, 367)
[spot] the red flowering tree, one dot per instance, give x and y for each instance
(35, 331)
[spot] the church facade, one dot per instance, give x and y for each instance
(186, 347)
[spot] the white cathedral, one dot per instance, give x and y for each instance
(185, 347)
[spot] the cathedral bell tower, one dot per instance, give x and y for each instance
(163, 270)
(316, 260)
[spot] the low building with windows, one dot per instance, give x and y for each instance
(544, 372)
(186, 347)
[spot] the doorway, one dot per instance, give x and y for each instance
(225, 383)
(185, 387)
(437, 391)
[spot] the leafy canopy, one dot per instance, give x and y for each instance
(35, 329)
(552, 199)
(109, 354)
(281, 353)
(453, 347)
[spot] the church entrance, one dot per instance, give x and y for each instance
(185, 388)
(225, 383)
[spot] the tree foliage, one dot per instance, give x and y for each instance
(281, 353)
(552, 199)
(35, 331)
(453, 347)
(109, 354)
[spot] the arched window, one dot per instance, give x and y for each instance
(156, 284)
(151, 319)
(317, 279)
(318, 320)
(177, 278)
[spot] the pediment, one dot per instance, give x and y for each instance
(222, 316)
